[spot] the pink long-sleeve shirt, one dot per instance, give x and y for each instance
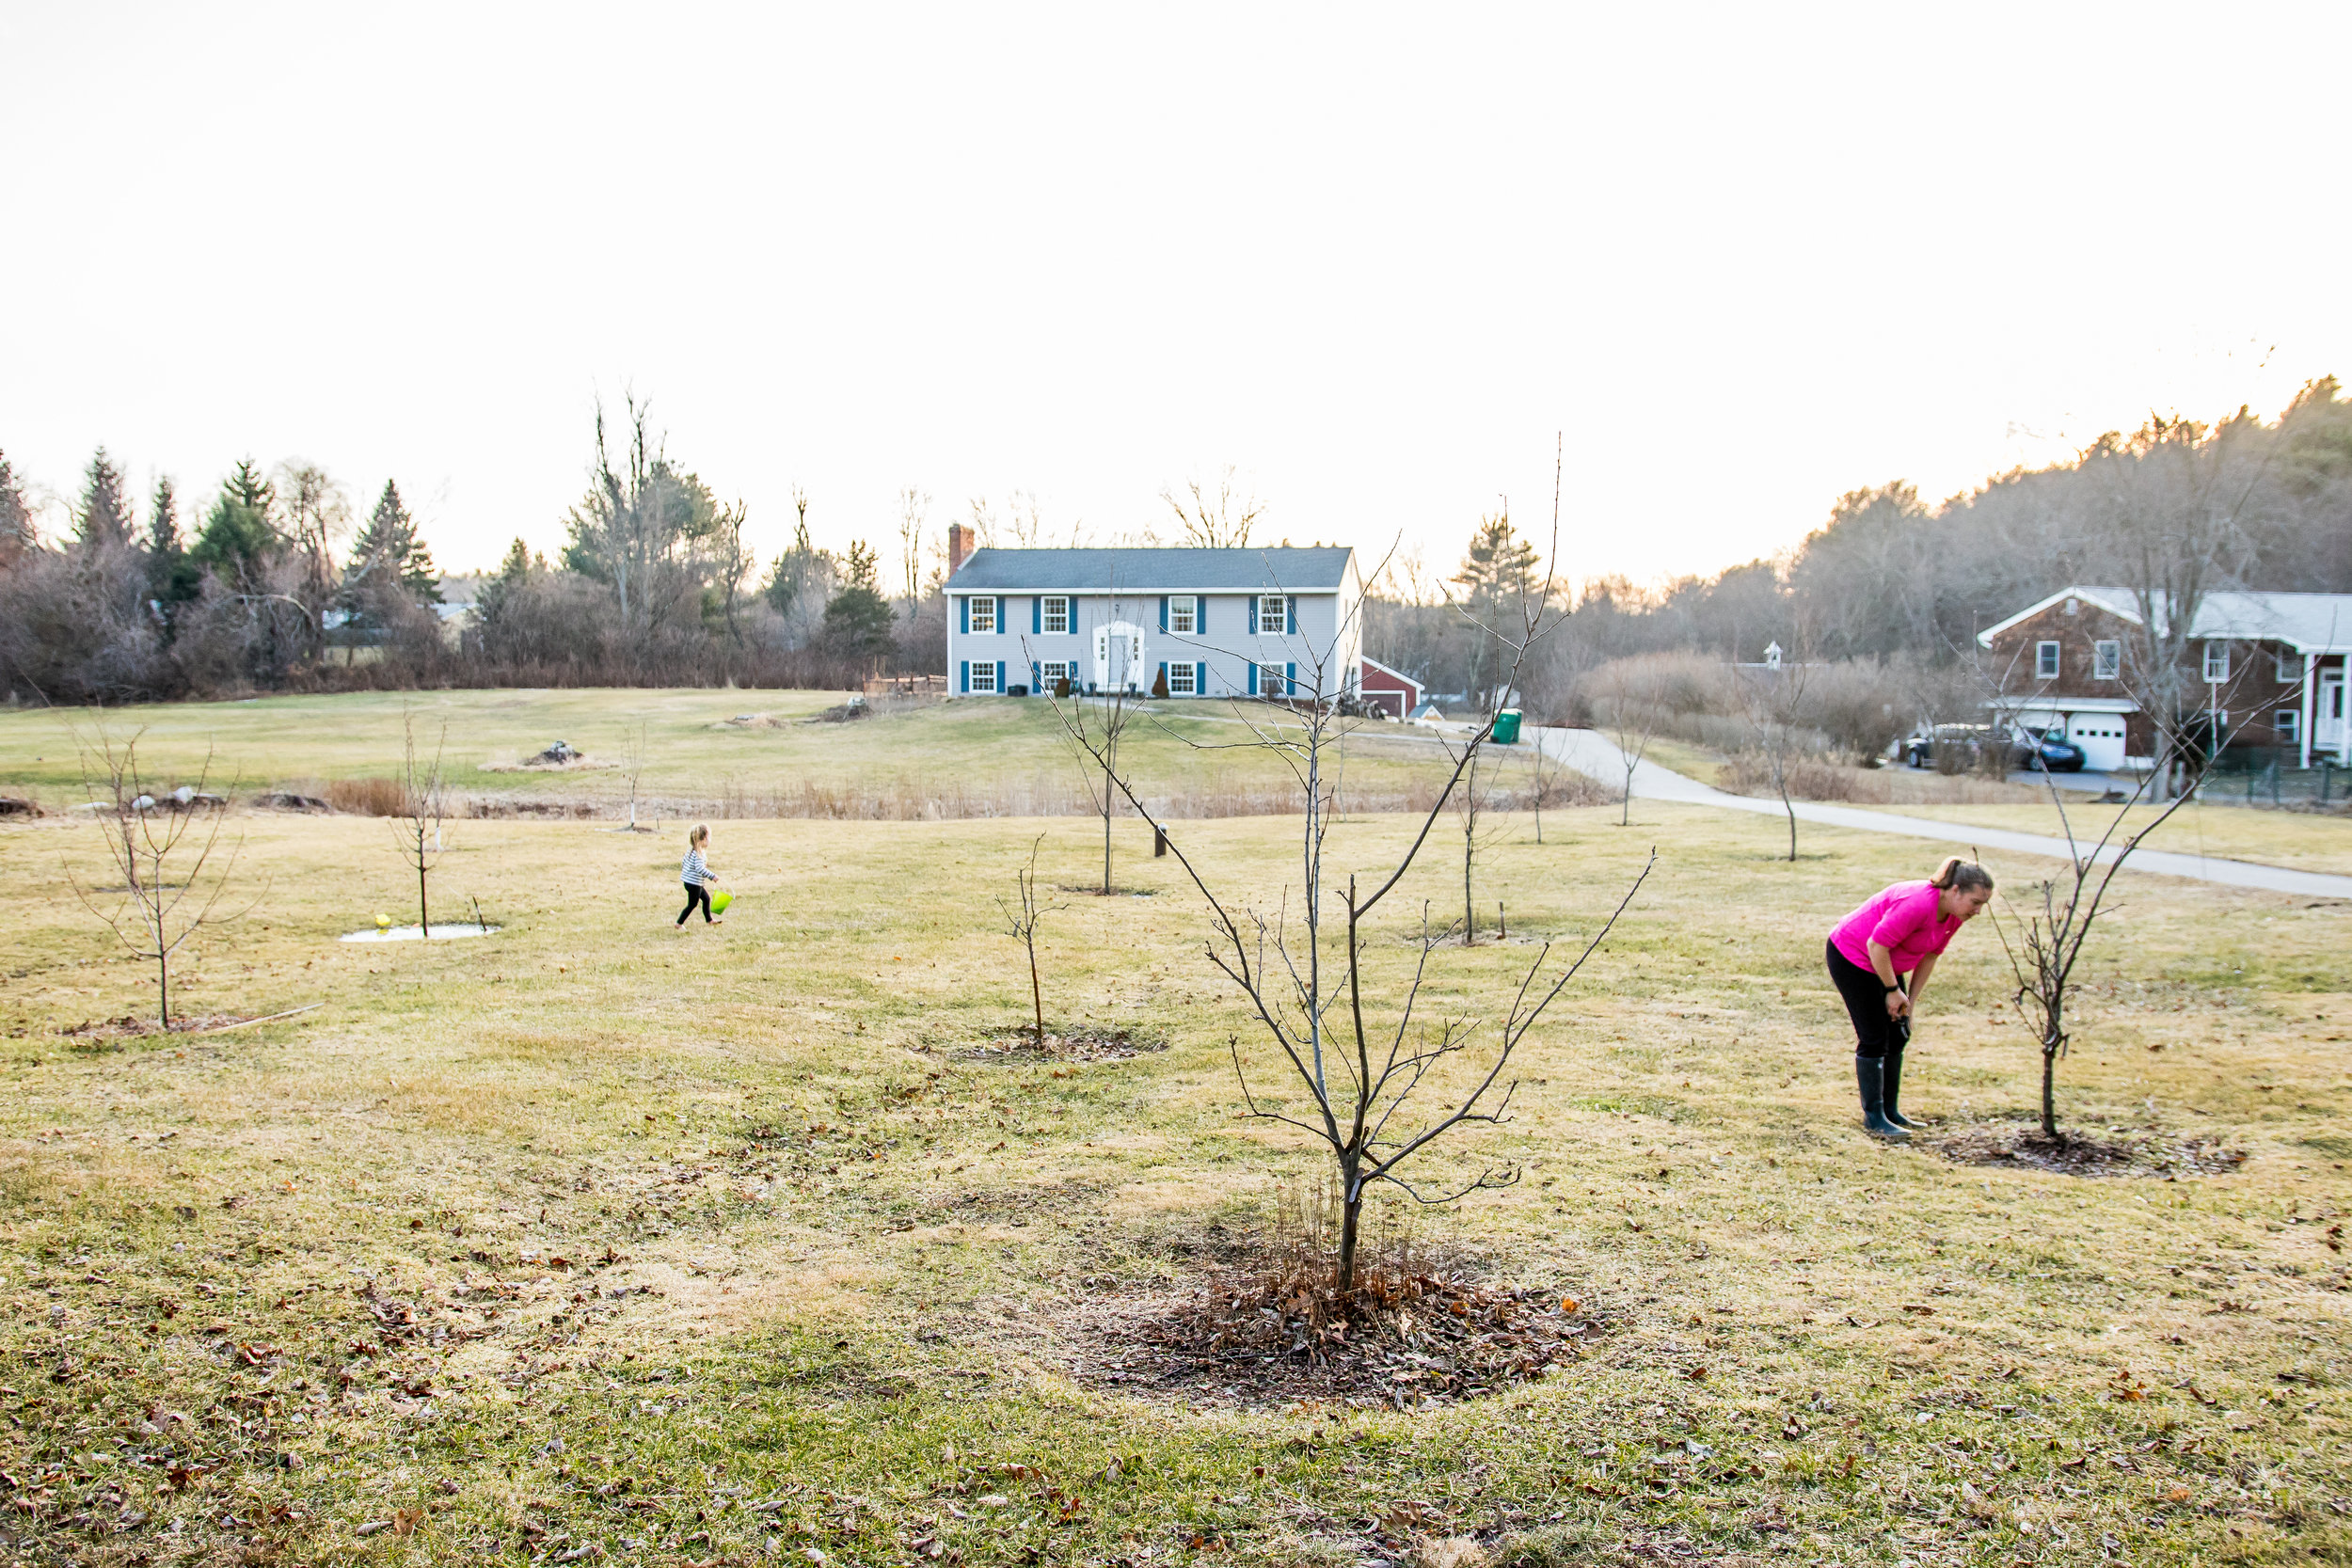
(1902, 919)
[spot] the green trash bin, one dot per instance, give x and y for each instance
(1507, 727)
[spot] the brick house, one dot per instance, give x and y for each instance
(2271, 666)
(1190, 623)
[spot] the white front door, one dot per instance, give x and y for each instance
(2327, 718)
(1118, 658)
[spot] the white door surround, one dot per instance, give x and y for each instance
(2328, 724)
(1118, 657)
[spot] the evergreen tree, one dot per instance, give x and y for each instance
(858, 621)
(16, 518)
(388, 557)
(239, 535)
(1498, 575)
(796, 570)
(500, 590)
(104, 515)
(172, 577)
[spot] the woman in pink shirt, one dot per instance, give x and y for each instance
(1897, 931)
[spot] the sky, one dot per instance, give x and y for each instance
(1380, 262)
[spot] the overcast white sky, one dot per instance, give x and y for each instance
(1746, 256)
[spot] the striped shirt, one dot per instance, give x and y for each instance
(694, 872)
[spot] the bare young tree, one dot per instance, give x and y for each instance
(2047, 945)
(1214, 521)
(913, 506)
(1094, 726)
(171, 883)
(1771, 700)
(423, 807)
(1633, 701)
(1318, 1003)
(1022, 923)
(635, 748)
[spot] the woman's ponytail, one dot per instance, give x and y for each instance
(1960, 875)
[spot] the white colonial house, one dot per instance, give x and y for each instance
(1191, 622)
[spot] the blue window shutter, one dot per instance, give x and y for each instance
(964, 615)
(1036, 681)
(963, 675)
(997, 619)
(1163, 612)
(1253, 677)
(1201, 616)
(1200, 679)
(1037, 614)
(1289, 680)
(1290, 608)
(1000, 677)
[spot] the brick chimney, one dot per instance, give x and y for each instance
(959, 545)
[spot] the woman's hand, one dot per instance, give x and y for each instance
(1898, 1004)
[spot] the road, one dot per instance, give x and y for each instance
(1592, 753)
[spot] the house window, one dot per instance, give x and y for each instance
(1053, 670)
(2107, 660)
(1270, 682)
(2288, 724)
(2290, 667)
(1055, 618)
(2216, 661)
(983, 670)
(2045, 660)
(1183, 616)
(1179, 675)
(1273, 614)
(985, 617)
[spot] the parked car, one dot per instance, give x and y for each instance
(2027, 748)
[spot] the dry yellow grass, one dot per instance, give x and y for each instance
(847, 1252)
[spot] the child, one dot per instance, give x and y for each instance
(696, 873)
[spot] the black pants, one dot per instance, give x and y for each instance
(1874, 1032)
(695, 893)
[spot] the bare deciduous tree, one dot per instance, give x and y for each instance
(1022, 924)
(1219, 521)
(2047, 945)
(171, 885)
(423, 807)
(635, 749)
(1633, 700)
(913, 506)
(1771, 700)
(1320, 1008)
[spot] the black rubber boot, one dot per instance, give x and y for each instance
(1891, 1087)
(1868, 1073)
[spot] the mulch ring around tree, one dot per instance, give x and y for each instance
(1071, 1045)
(130, 1028)
(2111, 1151)
(1255, 1338)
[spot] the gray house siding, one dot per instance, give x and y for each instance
(1224, 652)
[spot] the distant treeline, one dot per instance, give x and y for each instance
(2238, 503)
(282, 585)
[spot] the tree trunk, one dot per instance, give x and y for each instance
(1107, 784)
(163, 991)
(1350, 1214)
(425, 922)
(1036, 993)
(2049, 1100)
(1792, 823)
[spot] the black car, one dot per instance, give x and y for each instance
(2048, 751)
(2030, 748)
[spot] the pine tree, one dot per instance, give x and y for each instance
(105, 511)
(1498, 575)
(239, 535)
(387, 555)
(16, 518)
(172, 577)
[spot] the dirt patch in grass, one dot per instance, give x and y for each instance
(131, 1028)
(2120, 1151)
(1257, 1336)
(1076, 1045)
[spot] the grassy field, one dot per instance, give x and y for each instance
(597, 1241)
(972, 758)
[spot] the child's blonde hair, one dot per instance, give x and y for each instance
(700, 836)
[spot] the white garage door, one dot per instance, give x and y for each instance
(2101, 737)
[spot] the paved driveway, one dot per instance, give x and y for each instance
(1590, 753)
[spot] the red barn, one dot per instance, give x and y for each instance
(1393, 691)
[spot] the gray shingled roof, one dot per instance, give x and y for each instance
(1137, 571)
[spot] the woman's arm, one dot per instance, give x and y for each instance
(1919, 977)
(1883, 960)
